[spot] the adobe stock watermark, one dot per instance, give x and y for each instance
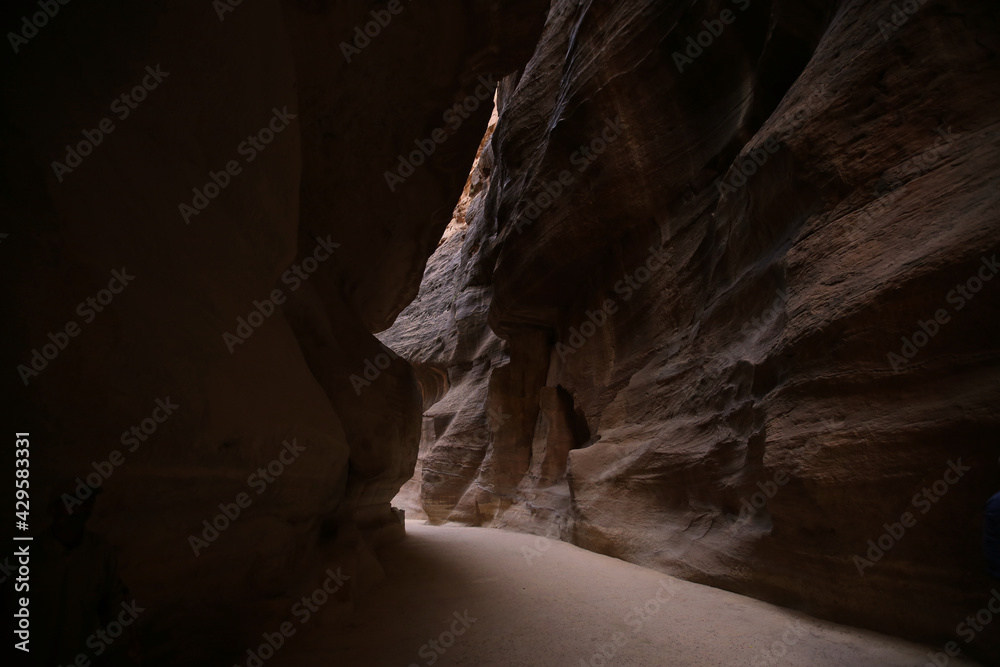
(223, 7)
(582, 158)
(249, 149)
(749, 506)
(627, 286)
(696, 45)
(131, 438)
(543, 543)
(453, 119)
(635, 619)
(122, 106)
(86, 309)
(779, 647)
(433, 649)
(259, 481)
(967, 629)
(303, 611)
(739, 175)
(924, 500)
(494, 420)
(758, 323)
(381, 18)
(484, 435)
(882, 202)
(6, 569)
(898, 17)
(294, 277)
(926, 330)
(372, 370)
(737, 178)
(31, 25)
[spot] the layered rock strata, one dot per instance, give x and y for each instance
(741, 260)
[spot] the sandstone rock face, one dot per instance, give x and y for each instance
(253, 186)
(445, 336)
(745, 286)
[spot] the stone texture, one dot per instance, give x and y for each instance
(452, 350)
(756, 355)
(323, 176)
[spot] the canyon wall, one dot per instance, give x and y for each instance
(244, 191)
(726, 304)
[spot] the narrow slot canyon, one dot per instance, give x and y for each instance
(501, 332)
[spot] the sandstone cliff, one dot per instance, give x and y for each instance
(741, 257)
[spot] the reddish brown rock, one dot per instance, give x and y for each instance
(752, 357)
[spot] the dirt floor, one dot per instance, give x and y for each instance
(481, 597)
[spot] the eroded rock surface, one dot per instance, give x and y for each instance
(703, 312)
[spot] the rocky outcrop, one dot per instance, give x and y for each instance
(268, 179)
(740, 256)
(445, 337)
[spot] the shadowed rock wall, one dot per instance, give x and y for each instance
(244, 185)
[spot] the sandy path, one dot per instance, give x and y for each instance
(473, 590)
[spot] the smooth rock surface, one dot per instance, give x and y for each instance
(325, 130)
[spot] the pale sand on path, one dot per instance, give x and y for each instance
(475, 590)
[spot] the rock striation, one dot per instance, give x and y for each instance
(740, 259)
